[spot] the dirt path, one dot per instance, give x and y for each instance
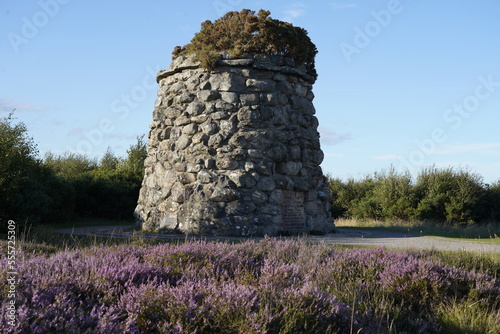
(346, 236)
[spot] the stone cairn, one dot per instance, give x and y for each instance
(234, 151)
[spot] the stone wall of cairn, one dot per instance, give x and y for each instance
(234, 151)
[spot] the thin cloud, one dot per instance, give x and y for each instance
(120, 136)
(386, 157)
(331, 137)
(6, 105)
(57, 123)
(487, 170)
(83, 133)
(334, 155)
(336, 5)
(481, 148)
(75, 132)
(294, 11)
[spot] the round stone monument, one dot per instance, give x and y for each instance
(234, 150)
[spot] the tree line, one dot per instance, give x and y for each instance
(439, 195)
(59, 188)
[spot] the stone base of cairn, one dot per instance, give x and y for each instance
(235, 151)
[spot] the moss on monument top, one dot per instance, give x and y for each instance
(240, 33)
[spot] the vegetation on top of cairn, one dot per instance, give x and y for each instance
(244, 32)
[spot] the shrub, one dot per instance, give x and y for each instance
(104, 196)
(18, 152)
(246, 33)
(108, 189)
(63, 187)
(491, 202)
(340, 197)
(352, 198)
(363, 205)
(449, 195)
(69, 165)
(29, 191)
(133, 166)
(395, 195)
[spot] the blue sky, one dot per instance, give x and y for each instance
(403, 83)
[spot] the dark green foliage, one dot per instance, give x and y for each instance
(395, 196)
(51, 198)
(362, 205)
(109, 161)
(69, 164)
(29, 192)
(449, 195)
(106, 190)
(133, 166)
(67, 186)
(244, 32)
(346, 196)
(457, 197)
(17, 159)
(104, 196)
(491, 201)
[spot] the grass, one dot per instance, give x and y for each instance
(90, 222)
(467, 317)
(487, 232)
(44, 239)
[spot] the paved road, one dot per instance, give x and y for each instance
(345, 236)
(400, 240)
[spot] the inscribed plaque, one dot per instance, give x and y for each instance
(292, 211)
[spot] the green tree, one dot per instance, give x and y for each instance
(70, 164)
(109, 161)
(491, 202)
(449, 195)
(352, 198)
(133, 165)
(18, 158)
(362, 204)
(108, 189)
(28, 190)
(340, 197)
(394, 194)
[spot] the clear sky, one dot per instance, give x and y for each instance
(408, 83)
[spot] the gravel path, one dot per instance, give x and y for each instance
(345, 236)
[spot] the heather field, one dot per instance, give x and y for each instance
(272, 286)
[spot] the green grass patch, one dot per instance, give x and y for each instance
(44, 238)
(484, 232)
(85, 222)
